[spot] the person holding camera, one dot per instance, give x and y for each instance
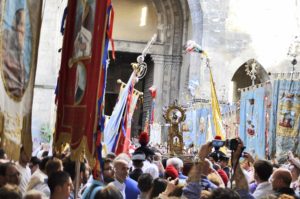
(193, 188)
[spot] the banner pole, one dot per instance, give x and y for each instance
(77, 178)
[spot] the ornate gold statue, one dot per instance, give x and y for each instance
(174, 115)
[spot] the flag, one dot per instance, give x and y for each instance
(124, 142)
(20, 32)
(216, 113)
(81, 80)
(152, 90)
(111, 130)
(192, 46)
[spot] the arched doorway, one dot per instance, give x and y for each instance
(240, 78)
(136, 22)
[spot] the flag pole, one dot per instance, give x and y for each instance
(192, 46)
(77, 178)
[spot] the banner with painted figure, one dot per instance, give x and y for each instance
(285, 118)
(253, 114)
(19, 39)
(230, 116)
(83, 57)
(199, 126)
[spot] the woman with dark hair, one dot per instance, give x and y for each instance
(109, 192)
(159, 186)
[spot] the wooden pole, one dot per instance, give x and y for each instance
(77, 178)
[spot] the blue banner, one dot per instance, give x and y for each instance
(252, 121)
(284, 123)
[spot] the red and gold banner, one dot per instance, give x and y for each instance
(79, 78)
(19, 39)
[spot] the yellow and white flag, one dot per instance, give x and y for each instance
(216, 113)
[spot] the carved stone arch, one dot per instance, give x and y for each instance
(240, 78)
(171, 21)
(172, 24)
(173, 18)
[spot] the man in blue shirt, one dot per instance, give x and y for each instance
(131, 190)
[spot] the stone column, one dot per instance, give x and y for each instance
(175, 78)
(166, 79)
(158, 81)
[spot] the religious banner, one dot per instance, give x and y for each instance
(125, 130)
(19, 39)
(230, 116)
(196, 126)
(285, 117)
(199, 127)
(253, 114)
(84, 55)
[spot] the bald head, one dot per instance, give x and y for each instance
(121, 167)
(281, 178)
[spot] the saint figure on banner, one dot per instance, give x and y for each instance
(16, 48)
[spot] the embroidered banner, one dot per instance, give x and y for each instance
(199, 126)
(79, 78)
(19, 37)
(253, 119)
(285, 122)
(230, 116)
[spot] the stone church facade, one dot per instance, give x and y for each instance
(219, 26)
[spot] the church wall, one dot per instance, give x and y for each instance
(43, 109)
(128, 18)
(224, 28)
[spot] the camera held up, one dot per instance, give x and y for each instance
(231, 144)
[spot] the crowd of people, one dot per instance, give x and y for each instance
(147, 173)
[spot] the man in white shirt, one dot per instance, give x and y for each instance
(38, 180)
(262, 172)
(24, 170)
(121, 167)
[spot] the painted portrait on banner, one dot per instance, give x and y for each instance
(82, 45)
(20, 30)
(80, 82)
(284, 128)
(16, 48)
(202, 125)
(288, 114)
